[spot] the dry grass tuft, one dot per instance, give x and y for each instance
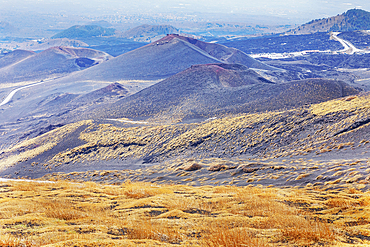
(10, 241)
(302, 231)
(142, 190)
(153, 229)
(221, 235)
(62, 210)
(145, 214)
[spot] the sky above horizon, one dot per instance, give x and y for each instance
(295, 10)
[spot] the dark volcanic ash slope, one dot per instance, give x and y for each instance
(151, 62)
(36, 115)
(14, 57)
(225, 54)
(162, 59)
(207, 90)
(53, 62)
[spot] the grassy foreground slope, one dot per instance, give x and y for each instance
(334, 131)
(144, 214)
(320, 148)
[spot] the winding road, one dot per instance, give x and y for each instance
(12, 93)
(349, 48)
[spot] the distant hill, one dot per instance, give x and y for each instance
(42, 44)
(14, 57)
(100, 23)
(354, 19)
(25, 66)
(7, 28)
(224, 53)
(162, 59)
(85, 31)
(207, 90)
(149, 33)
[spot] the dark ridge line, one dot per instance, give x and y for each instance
(353, 126)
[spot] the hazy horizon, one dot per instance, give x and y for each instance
(288, 11)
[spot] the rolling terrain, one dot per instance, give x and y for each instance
(40, 44)
(353, 19)
(164, 58)
(49, 103)
(20, 66)
(205, 91)
(182, 142)
(225, 54)
(85, 31)
(14, 57)
(148, 33)
(139, 68)
(214, 89)
(333, 131)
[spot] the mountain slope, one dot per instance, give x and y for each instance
(162, 59)
(354, 19)
(208, 90)
(43, 44)
(148, 33)
(7, 28)
(53, 62)
(37, 110)
(14, 57)
(151, 62)
(333, 133)
(100, 23)
(223, 53)
(85, 31)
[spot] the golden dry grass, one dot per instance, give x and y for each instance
(344, 104)
(146, 214)
(267, 134)
(35, 146)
